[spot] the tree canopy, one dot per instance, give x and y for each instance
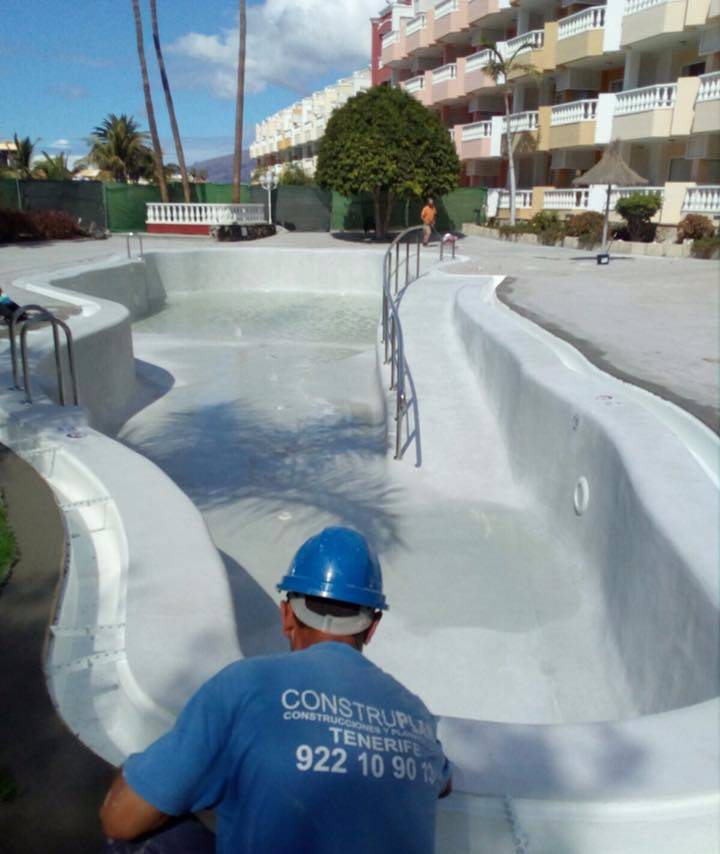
(119, 150)
(385, 142)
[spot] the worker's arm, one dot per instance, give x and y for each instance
(125, 815)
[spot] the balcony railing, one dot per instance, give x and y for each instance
(574, 111)
(566, 200)
(478, 61)
(588, 19)
(533, 40)
(633, 6)
(623, 192)
(414, 84)
(709, 87)
(476, 130)
(204, 214)
(445, 7)
(703, 199)
(444, 73)
(520, 122)
(389, 38)
(648, 98)
(523, 199)
(414, 25)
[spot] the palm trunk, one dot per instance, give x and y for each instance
(237, 160)
(511, 158)
(169, 102)
(159, 168)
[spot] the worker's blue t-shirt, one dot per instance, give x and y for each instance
(312, 752)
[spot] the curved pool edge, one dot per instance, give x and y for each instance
(544, 769)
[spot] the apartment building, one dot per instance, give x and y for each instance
(292, 136)
(644, 71)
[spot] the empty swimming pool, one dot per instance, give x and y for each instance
(541, 567)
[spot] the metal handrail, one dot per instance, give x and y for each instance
(41, 314)
(130, 235)
(401, 380)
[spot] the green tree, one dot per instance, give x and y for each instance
(157, 149)
(54, 168)
(239, 107)
(118, 148)
(501, 70)
(292, 174)
(21, 159)
(170, 105)
(637, 210)
(385, 142)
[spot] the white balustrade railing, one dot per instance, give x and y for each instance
(566, 200)
(414, 84)
(533, 40)
(574, 111)
(633, 6)
(657, 97)
(414, 25)
(704, 200)
(204, 214)
(588, 19)
(520, 122)
(476, 130)
(444, 73)
(623, 192)
(445, 7)
(523, 199)
(478, 61)
(709, 87)
(389, 39)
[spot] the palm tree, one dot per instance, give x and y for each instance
(169, 102)
(159, 171)
(500, 69)
(21, 160)
(119, 150)
(55, 168)
(237, 160)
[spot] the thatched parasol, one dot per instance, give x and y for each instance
(610, 169)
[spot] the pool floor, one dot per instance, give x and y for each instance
(277, 431)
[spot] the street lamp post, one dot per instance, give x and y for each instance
(269, 181)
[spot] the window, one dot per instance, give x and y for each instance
(680, 169)
(616, 85)
(693, 70)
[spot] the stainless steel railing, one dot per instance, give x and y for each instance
(401, 268)
(27, 315)
(128, 248)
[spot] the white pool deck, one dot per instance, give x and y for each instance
(515, 647)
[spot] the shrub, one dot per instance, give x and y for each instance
(694, 227)
(15, 225)
(54, 225)
(587, 227)
(706, 247)
(505, 230)
(637, 210)
(547, 226)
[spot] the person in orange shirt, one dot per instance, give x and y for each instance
(427, 215)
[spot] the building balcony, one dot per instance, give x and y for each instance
(474, 74)
(479, 9)
(707, 104)
(535, 48)
(446, 86)
(645, 113)
(473, 141)
(419, 88)
(451, 16)
(566, 200)
(645, 20)
(527, 122)
(572, 125)
(703, 200)
(581, 35)
(523, 199)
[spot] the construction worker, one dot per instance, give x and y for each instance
(428, 215)
(309, 752)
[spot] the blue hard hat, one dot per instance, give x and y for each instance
(337, 564)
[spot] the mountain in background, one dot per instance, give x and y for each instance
(219, 169)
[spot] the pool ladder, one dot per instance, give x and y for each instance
(25, 316)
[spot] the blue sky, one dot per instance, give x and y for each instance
(64, 67)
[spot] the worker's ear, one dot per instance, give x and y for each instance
(288, 619)
(371, 630)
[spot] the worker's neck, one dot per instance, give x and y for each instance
(309, 637)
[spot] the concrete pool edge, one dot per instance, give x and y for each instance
(694, 728)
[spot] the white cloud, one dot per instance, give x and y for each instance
(61, 143)
(288, 43)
